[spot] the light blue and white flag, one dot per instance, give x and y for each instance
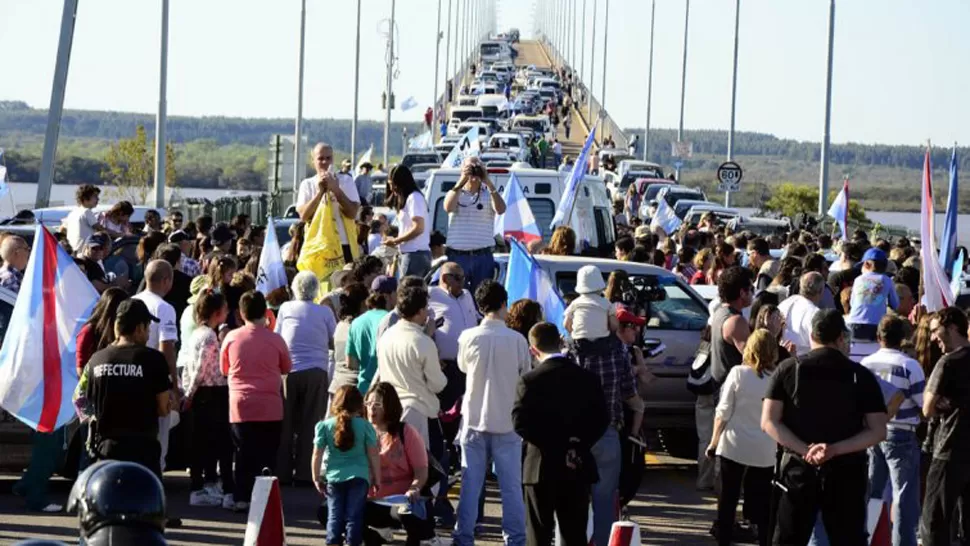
(665, 218)
(4, 188)
(271, 273)
(568, 199)
(840, 209)
(421, 142)
(525, 278)
(948, 243)
(467, 146)
(956, 275)
(366, 156)
(408, 104)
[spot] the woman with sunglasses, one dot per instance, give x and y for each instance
(412, 210)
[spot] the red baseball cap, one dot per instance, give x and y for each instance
(626, 317)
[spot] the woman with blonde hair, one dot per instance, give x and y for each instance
(702, 262)
(563, 242)
(746, 453)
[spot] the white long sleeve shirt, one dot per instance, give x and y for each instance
(739, 406)
(408, 359)
(493, 356)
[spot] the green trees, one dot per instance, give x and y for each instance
(789, 199)
(130, 166)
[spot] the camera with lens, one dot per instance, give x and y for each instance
(639, 292)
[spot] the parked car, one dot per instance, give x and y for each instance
(675, 322)
(672, 194)
(628, 165)
(411, 159)
(722, 214)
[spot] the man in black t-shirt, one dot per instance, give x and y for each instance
(95, 249)
(947, 395)
(128, 388)
(825, 410)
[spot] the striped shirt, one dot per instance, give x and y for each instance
(471, 227)
(905, 374)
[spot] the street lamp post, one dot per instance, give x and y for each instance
(734, 93)
(298, 129)
(353, 123)
(448, 72)
(437, 55)
(388, 90)
(646, 133)
(823, 175)
(162, 115)
(606, 42)
(592, 69)
(683, 82)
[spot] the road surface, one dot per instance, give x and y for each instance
(668, 509)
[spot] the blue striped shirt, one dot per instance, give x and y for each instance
(904, 373)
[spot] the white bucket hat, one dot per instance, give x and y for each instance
(589, 280)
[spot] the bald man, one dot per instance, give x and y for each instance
(162, 335)
(15, 254)
(336, 188)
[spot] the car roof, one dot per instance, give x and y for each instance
(606, 265)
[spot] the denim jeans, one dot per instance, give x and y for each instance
(896, 460)
(606, 453)
(477, 268)
(415, 263)
(505, 451)
(345, 511)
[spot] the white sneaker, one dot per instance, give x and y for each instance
(202, 498)
(228, 502)
(214, 489)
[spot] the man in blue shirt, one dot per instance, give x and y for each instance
(872, 294)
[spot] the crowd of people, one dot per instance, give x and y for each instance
(375, 382)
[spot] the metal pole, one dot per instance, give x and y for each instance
(582, 47)
(592, 68)
(353, 122)
(160, 118)
(437, 55)
(646, 133)
(390, 76)
(606, 42)
(823, 175)
(683, 82)
(458, 46)
(298, 158)
(64, 43)
(448, 72)
(734, 93)
(572, 34)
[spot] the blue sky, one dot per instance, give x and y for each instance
(900, 65)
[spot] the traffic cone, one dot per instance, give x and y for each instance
(264, 526)
(625, 533)
(879, 526)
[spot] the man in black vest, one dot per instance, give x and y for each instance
(560, 412)
(824, 410)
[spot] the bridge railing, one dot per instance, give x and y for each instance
(588, 106)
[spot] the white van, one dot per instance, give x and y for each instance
(592, 217)
(493, 106)
(459, 114)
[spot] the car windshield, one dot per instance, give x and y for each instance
(504, 142)
(673, 196)
(491, 49)
(410, 160)
(653, 190)
(534, 124)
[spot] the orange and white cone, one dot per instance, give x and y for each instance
(264, 526)
(879, 526)
(625, 533)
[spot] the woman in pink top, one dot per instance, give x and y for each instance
(404, 469)
(254, 359)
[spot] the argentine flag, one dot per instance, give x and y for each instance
(271, 273)
(524, 278)
(840, 209)
(38, 367)
(565, 209)
(517, 221)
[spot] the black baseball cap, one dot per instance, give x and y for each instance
(131, 313)
(221, 235)
(98, 240)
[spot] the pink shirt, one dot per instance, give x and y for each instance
(398, 460)
(255, 359)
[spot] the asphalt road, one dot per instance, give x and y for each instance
(668, 509)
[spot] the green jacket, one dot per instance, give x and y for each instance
(543, 146)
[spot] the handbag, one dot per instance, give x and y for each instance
(699, 379)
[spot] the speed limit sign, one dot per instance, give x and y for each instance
(729, 176)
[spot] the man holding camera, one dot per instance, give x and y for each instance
(471, 206)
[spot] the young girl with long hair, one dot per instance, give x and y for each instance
(353, 466)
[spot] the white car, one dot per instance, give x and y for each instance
(511, 143)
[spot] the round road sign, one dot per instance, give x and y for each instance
(729, 176)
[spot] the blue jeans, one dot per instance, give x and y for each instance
(345, 511)
(477, 268)
(606, 453)
(896, 460)
(415, 263)
(505, 451)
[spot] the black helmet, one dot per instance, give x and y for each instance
(116, 493)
